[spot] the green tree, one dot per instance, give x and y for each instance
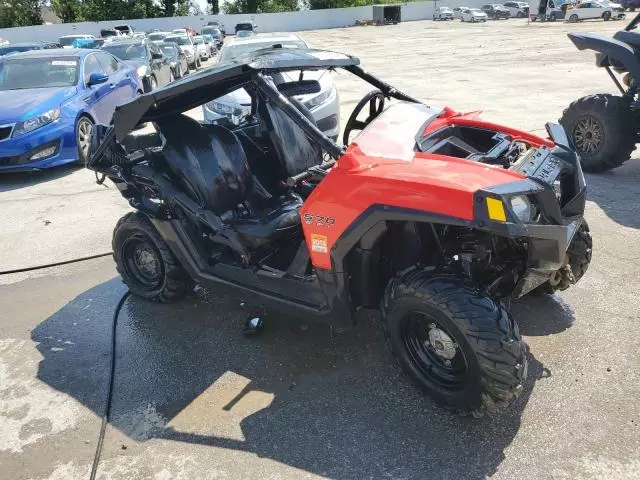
(68, 10)
(261, 6)
(322, 4)
(214, 7)
(19, 13)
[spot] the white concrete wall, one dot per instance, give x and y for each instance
(267, 22)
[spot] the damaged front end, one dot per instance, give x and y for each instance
(532, 220)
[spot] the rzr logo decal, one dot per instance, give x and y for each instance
(320, 220)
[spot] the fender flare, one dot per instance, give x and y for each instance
(614, 49)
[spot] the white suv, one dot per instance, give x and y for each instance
(517, 9)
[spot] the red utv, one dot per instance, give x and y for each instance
(435, 218)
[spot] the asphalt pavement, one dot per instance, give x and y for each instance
(194, 399)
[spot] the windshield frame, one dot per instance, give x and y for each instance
(299, 44)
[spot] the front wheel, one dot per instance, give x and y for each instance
(454, 342)
(145, 262)
(603, 130)
(577, 260)
(606, 16)
(84, 127)
(552, 17)
(573, 18)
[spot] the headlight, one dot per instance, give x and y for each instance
(141, 71)
(232, 112)
(36, 122)
(523, 208)
(319, 99)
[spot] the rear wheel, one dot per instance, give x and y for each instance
(145, 262)
(84, 127)
(455, 343)
(573, 18)
(603, 130)
(552, 17)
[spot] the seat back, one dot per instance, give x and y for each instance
(209, 162)
(293, 148)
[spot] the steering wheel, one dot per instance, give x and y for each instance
(375, 99)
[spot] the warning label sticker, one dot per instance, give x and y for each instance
(319, 243)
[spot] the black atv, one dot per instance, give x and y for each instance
(603, 128)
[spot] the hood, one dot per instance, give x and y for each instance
(18, 105)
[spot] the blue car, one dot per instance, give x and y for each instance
(50, 100)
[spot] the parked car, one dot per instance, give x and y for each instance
(151, 65)
(472, 15)
(158, 37)
(110, 32)
(125, 30)
(201, 48)
(588, 11)
(50, 101)
(251, 26)
(185, 44)
(13, 48)
(495, 11)
(443, 13)
(178, 59)
(184, 31)
(517, 9)
(217, 25)
(211, 44)
(67, 40)
(216, 33)
(324, 106)
(245, 33)
(457, 11)
(4, 41)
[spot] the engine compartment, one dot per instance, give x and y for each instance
(474, 143)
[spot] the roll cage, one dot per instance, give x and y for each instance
(251, 72)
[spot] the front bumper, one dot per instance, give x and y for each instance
(556, 186)
(16, 153)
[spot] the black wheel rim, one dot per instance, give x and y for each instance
(443, 373)
(588, 135)
(142, 262)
